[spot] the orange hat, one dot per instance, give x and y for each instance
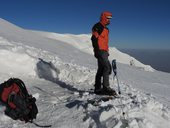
(104, 18)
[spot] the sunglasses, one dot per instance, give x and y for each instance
(109, 17)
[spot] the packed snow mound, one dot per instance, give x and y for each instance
(15, 57)
(16, 64)
(83, 42)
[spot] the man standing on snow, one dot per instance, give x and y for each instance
(100, 39)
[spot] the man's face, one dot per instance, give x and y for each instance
(108, 21)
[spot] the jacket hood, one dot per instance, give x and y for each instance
(105, 18)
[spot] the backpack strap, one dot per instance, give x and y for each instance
(8, 87)
(12, 86)
(22, 87)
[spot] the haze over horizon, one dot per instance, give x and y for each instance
(157, 58)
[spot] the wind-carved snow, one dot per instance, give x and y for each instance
(62, 87)
(10, 60)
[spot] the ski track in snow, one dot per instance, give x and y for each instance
(62, 91)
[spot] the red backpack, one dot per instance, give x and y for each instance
(19, 103)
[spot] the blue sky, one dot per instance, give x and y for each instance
(135, 23)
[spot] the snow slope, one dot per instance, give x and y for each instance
(83, 42)
(60, 75)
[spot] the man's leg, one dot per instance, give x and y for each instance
(106, 68)
(106, 72)
(99, 74)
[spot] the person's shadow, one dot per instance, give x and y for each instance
(48, 71)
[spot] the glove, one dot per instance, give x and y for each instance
(108, 53)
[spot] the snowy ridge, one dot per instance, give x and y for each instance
(83, 42)
(62, 86)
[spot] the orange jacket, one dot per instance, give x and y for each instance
(103, 40)
(100, 37)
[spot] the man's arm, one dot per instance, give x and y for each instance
(96, 31)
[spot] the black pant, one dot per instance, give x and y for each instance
(104, 70)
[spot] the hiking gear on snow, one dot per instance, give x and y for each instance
(97, 86)
(100, 38)
(105, 91)
(109, 91)
(105, 18)
(114, 68)
(43, 126)
(97, 91)
(19, 103)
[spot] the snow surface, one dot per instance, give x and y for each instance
(59, 70)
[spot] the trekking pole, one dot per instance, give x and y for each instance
(114, 67)
(42, 126)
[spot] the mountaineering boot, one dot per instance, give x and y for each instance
(97, 88)
(108, 91)
(98, 91)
